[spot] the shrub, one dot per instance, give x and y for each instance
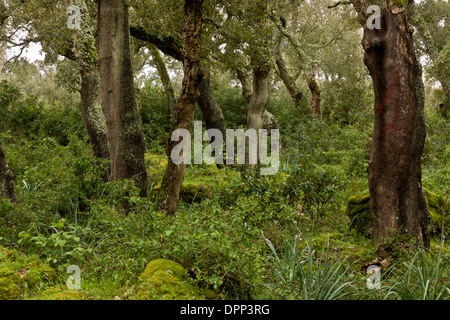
(314, 187)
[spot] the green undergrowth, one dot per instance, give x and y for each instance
(22, 276)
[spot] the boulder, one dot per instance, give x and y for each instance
(166, 280)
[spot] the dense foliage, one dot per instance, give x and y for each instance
(285, 236)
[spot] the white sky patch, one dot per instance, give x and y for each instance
(32, 52)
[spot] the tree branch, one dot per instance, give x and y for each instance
(168, 45)
(338, 4)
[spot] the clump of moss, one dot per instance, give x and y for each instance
(59, 293)
(20, 274)
(165, 279)
(194, 192)
(336, 243)
(439, 211)
(168, 266)
(190, 192)
(358, 210)
(10, 284)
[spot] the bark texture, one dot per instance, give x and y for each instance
(92, 113)
(269, 120)
(6, 177)
(315, 93)
(184, 111)
(84, 53)
(245, 83)
(257, 107)
(260, 96)
(212, 113)
(396, 196)
(125, 133)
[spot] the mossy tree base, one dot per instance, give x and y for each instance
(358, 210)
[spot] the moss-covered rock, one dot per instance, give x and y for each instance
(361, 218)
(165, 279)
(358, 210)
(168, 266)
(20, 274)
(438, 209)
(194, 192)
(59, 293)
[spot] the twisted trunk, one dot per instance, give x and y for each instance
(245, 83)
(184, 110)
(283, 73)
(212, 113)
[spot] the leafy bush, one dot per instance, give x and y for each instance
(314, 187)
(233, 106)
(29, 115)
(154, 117)
(66, 244)
(220, 249)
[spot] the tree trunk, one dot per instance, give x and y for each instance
(257, 105)
(246, 86)
(269, 120)
(3, 45)
(212, 113)
(92, 113)
(295, 94)
(283, 73)
(84, 53)
(6, 177)
(260, 96)
(165, 79)
(125, 133)
(184, 111)
(396, 195)
(315, 93)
